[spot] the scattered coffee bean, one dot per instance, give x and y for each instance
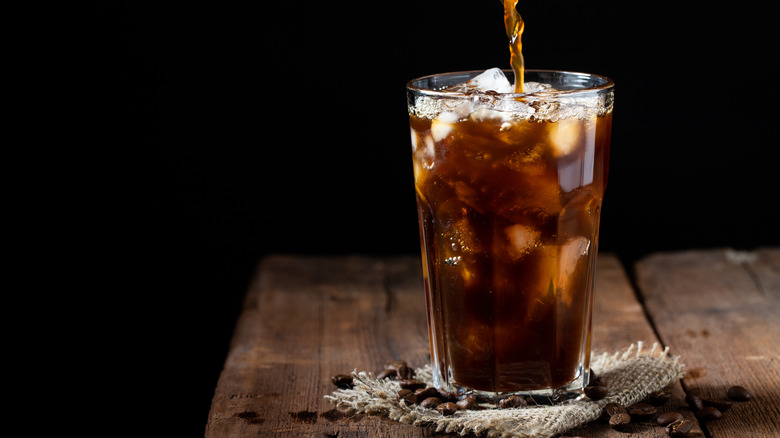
(596, 392)
(739, 393)
(658, 398)
(720, 405)
(447, 396)
(598, 381)
(343, 381)
(679, 428)
(619, 421)
(614, 408)
(611, 409)
(595, 380)
(448, 408)
(405, 372)
(386, 374)
(424, 393)
(694, 402)
(641, 411)
(468, 402)
(411, 384)
(513, 401)
(394, 364)
(406, 395)
(431, 402)
(708, 413)
(668, 418)
(402, 393)
(401, 369)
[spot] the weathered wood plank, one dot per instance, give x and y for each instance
(308, 318)
(720, 310)
(618, 321)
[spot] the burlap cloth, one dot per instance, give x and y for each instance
(631, 375)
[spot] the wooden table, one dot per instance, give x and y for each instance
(306, 319)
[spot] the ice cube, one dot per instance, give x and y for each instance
(483, 114)
(415, 139)
(571, 251)
(443, 125)
(465, 193)
(424, 155)
(528, 160)
(536, 87)
(570, 257)
(459, 245)
(492, 79)
(521, 239)
(564, 135)
(473, 340)
(461, 239)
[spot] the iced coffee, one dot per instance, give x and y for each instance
(509, 190)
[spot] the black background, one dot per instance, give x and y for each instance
(232, 130)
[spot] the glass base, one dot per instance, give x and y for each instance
(546, 396)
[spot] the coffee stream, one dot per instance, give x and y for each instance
(514, 30)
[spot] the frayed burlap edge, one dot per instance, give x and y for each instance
(631, 375)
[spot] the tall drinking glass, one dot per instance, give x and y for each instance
(509, 191)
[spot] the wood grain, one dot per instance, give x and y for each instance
(618, 321)
(306, 319)
(720, 310)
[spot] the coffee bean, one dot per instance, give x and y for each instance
(406, 395)
(448, 408)
(641, 411)
(619, 421)
(596, 392)
(694, 402)
(424, 393)
(430, 402)
(708, 413)
(468, 402)
(447, 396)
(611, 409)
(343, 381)
(404, 372)
(402, 393)
(739, 393)
(679, 428)
(395, 364)
(658, 398)
(401, 368)
(411, 384)
(513, 401)
(386, 374)
(594, 380)
(668, 418)
(720, 405)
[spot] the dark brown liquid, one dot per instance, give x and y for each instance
(514, 26)
(509, 223)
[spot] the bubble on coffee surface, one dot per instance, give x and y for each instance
(489, 95)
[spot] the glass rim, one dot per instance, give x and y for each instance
(608, 84)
